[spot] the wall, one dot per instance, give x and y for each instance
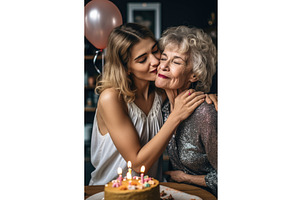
(179, 12)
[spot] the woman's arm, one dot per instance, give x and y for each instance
(209, 135)
(123, 133)
(207, 123)
(181, 177)
(209, 180)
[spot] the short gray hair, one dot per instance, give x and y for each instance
(200, 49)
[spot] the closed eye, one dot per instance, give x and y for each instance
(142, 61)
(177, 63)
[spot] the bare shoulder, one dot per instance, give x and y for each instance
(108, 95)
(109, 99)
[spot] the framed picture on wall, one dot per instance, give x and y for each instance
(147, 14)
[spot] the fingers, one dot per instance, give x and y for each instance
(216, 106)
(195, 96)
(195, 102)
(214, 98)
(192, 98)
(208, 100)
(190, 92)
(186, 102)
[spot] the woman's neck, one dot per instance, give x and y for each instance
(142, 89)
(144, 96)
(173, 93)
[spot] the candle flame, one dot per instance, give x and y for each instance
(143, 169)
(129, 164)
(119, 170)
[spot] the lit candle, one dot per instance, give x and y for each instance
(129, 176)
(142, 174)
(120, 175)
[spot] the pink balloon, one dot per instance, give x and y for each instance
(100, 17)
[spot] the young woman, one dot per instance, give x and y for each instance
(128, 124)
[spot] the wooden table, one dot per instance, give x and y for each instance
(193, 190)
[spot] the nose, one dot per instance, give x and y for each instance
(164, 65)
(153, 60)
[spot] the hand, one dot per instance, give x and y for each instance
(212, 98)
(178, 176)
(186, 102)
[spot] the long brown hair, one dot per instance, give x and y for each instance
(118, 53)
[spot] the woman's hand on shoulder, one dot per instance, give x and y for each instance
(212, 98)
(186, 102)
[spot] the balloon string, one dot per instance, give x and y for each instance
(103, 53)
(95, 58)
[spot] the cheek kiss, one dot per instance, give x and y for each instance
(154, 71)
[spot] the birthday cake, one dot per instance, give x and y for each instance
(132, 189)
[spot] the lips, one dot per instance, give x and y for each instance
(162, 76)
(154, 71)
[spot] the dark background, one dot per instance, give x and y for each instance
(177, 12)
(197, 13)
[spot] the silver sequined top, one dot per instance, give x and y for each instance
(193, 149)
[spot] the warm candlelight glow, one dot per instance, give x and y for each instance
(142, 174)
(129, 176)
(143, 169)
(129, 164)
(120, 175)
(119, 170)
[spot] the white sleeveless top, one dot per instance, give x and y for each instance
(104, 155)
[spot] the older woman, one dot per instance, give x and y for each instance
(188, 61)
